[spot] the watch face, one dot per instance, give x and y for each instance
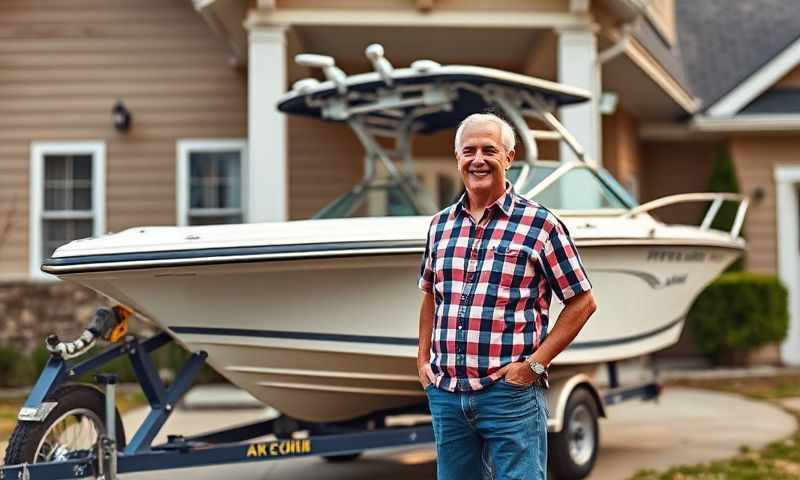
(538, 368)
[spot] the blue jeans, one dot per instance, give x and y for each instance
(497, 432)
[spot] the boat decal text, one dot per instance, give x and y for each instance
(691, 256)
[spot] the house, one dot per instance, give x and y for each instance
(198, 82)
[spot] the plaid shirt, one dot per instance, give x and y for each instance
(492, 283)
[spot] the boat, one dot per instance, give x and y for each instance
(318, 318)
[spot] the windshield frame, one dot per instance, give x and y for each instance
(601, 175)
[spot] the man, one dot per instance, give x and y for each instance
(491, 262)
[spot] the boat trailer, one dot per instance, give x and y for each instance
(266, 440)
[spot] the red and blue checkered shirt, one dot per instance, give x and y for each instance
(492, 283)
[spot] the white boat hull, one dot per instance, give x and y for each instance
(334, 339)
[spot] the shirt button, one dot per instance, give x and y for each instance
(459, 327)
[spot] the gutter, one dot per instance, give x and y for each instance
(705, 126)
(747, 123)
(625, 42)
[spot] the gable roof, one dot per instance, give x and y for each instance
(725, 43)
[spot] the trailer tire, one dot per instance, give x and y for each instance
(74, 401)
(573, 451)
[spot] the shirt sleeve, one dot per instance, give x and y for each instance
(426, 269)
(562, 265)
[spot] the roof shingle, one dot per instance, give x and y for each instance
(723, 42)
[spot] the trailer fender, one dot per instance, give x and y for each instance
(558, 394)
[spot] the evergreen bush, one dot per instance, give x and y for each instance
(737, 313)
(10, 361)
(723, 179)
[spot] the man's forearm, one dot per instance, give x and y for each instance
(571, 320)
(425, 327)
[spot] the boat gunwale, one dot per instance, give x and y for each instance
(77, 264)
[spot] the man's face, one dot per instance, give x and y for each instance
(482, 158)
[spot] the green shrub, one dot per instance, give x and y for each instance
(737, 313)
(10, 361)
(17, 370)
(723, 179)
(39, 357)
(31, 366)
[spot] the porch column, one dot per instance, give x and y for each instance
(577, 54)
(267, 169)
(787, 179)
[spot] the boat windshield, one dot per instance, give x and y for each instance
(577, 188)
(371, 201)
(556, 186)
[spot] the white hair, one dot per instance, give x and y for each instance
(506, 132)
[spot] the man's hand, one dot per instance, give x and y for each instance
(519, 373)
(426, 376)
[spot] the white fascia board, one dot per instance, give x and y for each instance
(758, 82)
(747, 123)
(415, 18)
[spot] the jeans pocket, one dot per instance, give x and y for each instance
(518, 386)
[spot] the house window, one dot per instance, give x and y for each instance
(67, 196)
(210, 186)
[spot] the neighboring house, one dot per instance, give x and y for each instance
(206, 145)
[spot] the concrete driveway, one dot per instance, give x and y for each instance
(687, 426)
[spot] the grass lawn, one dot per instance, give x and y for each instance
(779, 460)
(126, 401)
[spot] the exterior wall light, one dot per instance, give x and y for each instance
(758, 195)
(121, 117)
(607, 103)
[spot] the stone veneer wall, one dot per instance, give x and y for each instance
(29, 312)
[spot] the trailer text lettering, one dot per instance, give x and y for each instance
(279, 448)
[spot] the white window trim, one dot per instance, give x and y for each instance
(183, 148)
(97, 149)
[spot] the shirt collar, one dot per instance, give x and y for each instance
(504, 203)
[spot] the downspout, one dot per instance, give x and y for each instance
(609, 54)
(206, 10)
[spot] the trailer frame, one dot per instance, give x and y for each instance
(289, 437)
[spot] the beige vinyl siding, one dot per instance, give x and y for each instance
(621, 149)
(755, 159)
(790, 80)
(63, 65)
(676, 167)
(325, 161)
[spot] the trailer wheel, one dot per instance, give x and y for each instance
(349, 457)
(69, 432)
(573, 450)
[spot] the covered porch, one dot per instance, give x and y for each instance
(299, 165)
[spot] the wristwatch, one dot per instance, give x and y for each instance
(537, 367)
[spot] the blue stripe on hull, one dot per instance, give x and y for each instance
(382, 340)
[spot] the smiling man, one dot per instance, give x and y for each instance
(491, 262)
